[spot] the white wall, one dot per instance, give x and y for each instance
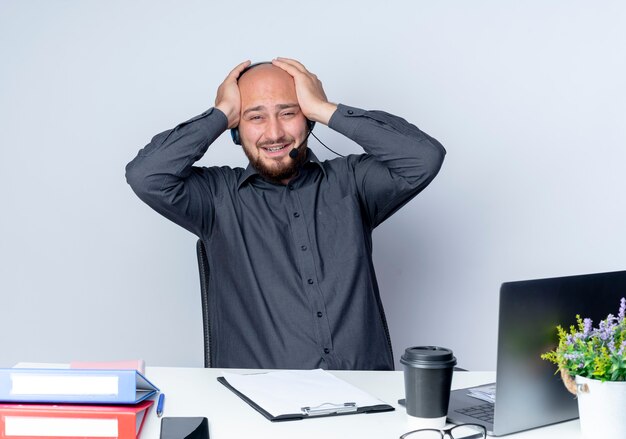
(528, 98)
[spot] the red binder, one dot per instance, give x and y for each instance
(61, 421)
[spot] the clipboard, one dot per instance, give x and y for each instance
(355, 401)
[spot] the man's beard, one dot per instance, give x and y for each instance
(279, 171)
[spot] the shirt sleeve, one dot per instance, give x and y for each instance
(400, 160)
(163, 175)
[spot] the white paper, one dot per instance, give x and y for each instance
(485, 393)
(287, 392)
(59, 427)
(50, 384)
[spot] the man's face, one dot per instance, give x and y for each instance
(271, 122)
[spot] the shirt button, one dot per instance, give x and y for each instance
(326, 351)
(296, 214)
(310, 281)
(290, 187)
(303, 248)
(350, 112)
(319, 314)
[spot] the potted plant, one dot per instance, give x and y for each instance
(592, 362)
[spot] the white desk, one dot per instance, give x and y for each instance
(196, 392)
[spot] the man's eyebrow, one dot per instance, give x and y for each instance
(257, 108)
(277, 106)
(284, 106)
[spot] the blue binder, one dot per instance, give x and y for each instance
(88, 386)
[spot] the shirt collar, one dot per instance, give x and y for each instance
(251, 170)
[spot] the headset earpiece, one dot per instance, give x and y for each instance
(234, 133)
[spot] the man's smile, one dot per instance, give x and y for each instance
(274, 148)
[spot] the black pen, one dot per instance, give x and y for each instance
(160, 404)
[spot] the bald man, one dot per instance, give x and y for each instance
(289, 238)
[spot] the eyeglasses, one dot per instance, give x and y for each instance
(462, 431)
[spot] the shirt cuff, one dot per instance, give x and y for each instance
(346, 120)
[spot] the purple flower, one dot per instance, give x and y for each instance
(603, 345)
(611, 346)
(620, 352)
(605, 329)
(572, 357)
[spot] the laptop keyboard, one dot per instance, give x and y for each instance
(484, 412)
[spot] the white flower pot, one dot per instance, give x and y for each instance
(602, 408)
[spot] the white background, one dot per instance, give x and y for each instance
(528, 97)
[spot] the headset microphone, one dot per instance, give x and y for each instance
(294, 153)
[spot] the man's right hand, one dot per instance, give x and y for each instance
(228, 99)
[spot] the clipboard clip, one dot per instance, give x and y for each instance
(328, 408)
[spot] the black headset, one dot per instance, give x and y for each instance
(234, 132)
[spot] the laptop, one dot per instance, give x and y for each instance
(528, 393)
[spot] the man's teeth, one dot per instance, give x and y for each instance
(277, 148)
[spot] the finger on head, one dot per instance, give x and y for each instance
(240, 68)
(286, 67)
(292, 62)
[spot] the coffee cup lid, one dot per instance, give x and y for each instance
(428, 357)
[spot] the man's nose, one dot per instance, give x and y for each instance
(274, 129)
